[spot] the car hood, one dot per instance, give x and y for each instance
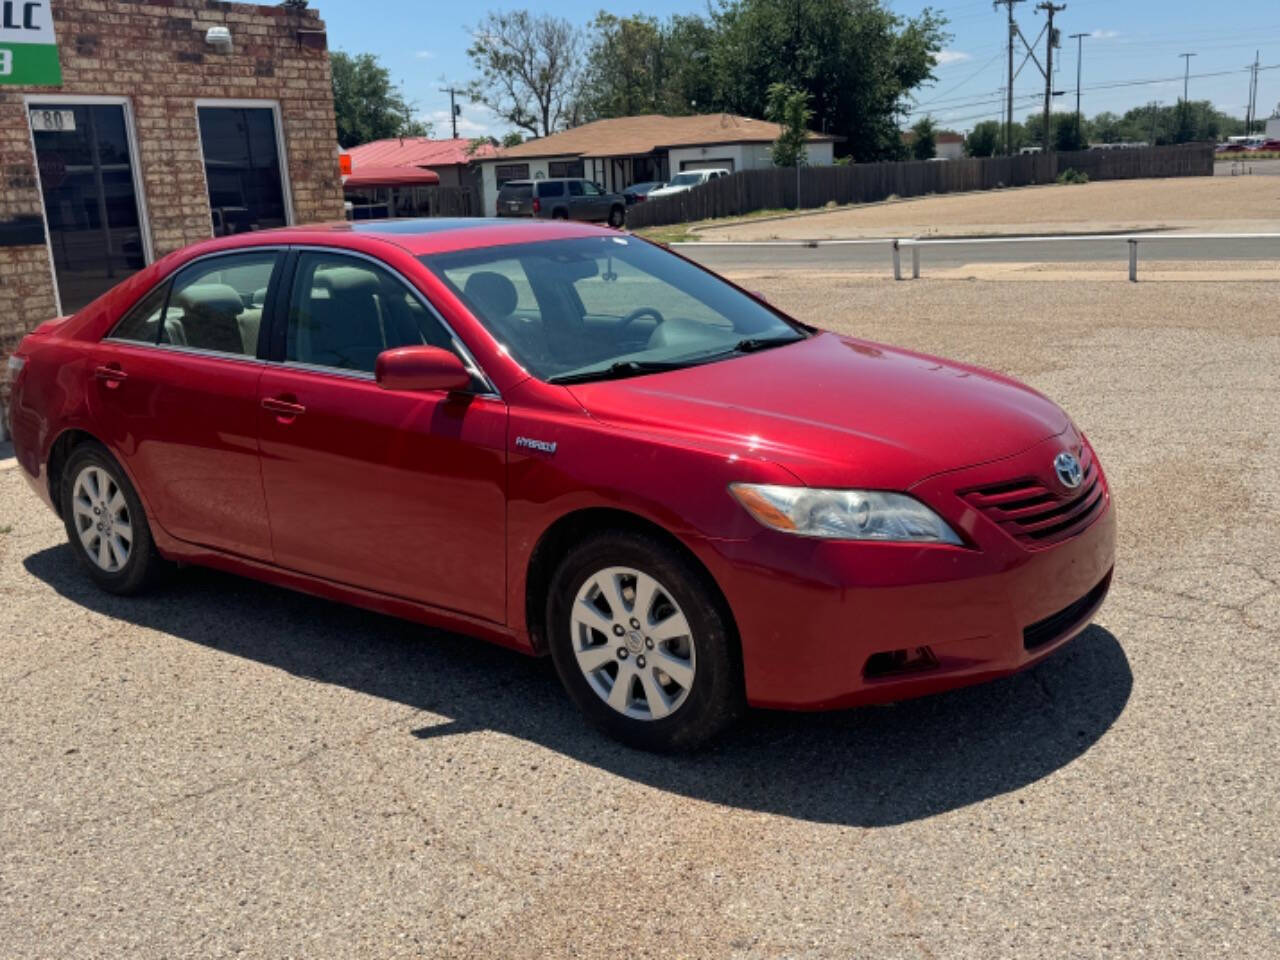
(835, 411)
(663, 191)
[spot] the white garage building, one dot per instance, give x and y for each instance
(619, 152)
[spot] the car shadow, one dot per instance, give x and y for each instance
(871, 767)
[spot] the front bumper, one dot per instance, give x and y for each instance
(822, 622)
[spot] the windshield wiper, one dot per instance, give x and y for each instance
(752, 344)
(619, 370)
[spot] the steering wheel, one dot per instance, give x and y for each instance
(636, 314)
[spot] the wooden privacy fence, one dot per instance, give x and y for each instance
(776, 187)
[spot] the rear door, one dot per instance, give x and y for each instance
(175, 386)
(596, 202)
(403, 493)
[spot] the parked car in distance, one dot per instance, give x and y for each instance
(687, 181)
(639, 192)
(572, 442)
(561, 198)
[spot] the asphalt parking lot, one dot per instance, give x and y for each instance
(224, 768)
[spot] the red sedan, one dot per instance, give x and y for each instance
(569, 441)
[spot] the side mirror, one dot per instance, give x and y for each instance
(420, 368)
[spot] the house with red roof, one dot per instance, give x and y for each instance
(393, 172)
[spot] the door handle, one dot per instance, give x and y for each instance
(111, 374)
(283, 409)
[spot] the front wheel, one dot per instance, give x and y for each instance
(617, 217)
(105, 522)
(641, 644)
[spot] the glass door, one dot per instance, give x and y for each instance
(243, 169)
(90, 193)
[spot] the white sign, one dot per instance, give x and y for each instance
(44, 120)
(26, 21)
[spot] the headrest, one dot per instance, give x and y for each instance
(210, 298)
(492, 293)
(347, 280)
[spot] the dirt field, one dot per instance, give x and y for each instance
(1218, 204)
(223, 768)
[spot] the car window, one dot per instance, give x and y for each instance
(575, 188)
(551, 188)
(590, 189)
(142, 323)
(568, 306)
(516, 191)
(344, 311)
(217, 304)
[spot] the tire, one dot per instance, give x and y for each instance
(617, 217)
(559, 214)
(119, 562)
(684, 630)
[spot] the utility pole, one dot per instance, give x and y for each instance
(1050, 38)
(1079, 39)
(1253, 94)
(1186, 74)
(454, 109)
(1008, 116)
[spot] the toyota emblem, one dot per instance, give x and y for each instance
(1067, 467)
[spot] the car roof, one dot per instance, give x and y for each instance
(420, 236)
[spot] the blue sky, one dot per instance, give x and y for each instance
(424, 46)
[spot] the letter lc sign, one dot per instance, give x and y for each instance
(28, 50)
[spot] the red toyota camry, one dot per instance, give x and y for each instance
(571, 441)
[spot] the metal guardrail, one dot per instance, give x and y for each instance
(915, 245)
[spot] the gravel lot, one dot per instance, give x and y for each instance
(1218, 204)
(225, 768)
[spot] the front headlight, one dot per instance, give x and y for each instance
(843, 514)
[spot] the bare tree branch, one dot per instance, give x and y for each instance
(529, 69)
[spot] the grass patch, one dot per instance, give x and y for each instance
(1071, 175)
(672, 233)
(1247, 155)
(7, 528)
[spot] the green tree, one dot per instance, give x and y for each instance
(513, 139)
(366, 104)
(530, 70)
(788, 107)
(924, 140)
(984, 140)
(1067, 134)
(856, 59)
(1107, 127)
(639, 64)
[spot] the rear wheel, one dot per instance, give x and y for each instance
(617, 217)
(560, 214)
(105, 522)
(641, 644)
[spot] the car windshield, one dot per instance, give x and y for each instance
(600, 307)
(685, 179)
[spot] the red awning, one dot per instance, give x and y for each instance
(390, 177)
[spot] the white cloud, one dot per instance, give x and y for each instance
(1105, 34)
(425, 54)
(945, 57)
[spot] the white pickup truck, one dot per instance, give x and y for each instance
(687, 181)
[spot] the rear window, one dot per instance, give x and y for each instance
(552, 188)
(516, 191)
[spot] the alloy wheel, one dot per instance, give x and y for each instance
(101, 516)
(633, 643)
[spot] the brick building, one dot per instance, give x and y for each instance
(156, 133)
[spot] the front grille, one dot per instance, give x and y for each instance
(1038, 516)
(1054, 625)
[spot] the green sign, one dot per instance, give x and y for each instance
(28, 49)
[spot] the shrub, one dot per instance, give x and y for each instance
(1071, 175)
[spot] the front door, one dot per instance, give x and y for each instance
(89, 186)
(403, 493)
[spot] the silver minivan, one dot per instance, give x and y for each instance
(561, 198)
